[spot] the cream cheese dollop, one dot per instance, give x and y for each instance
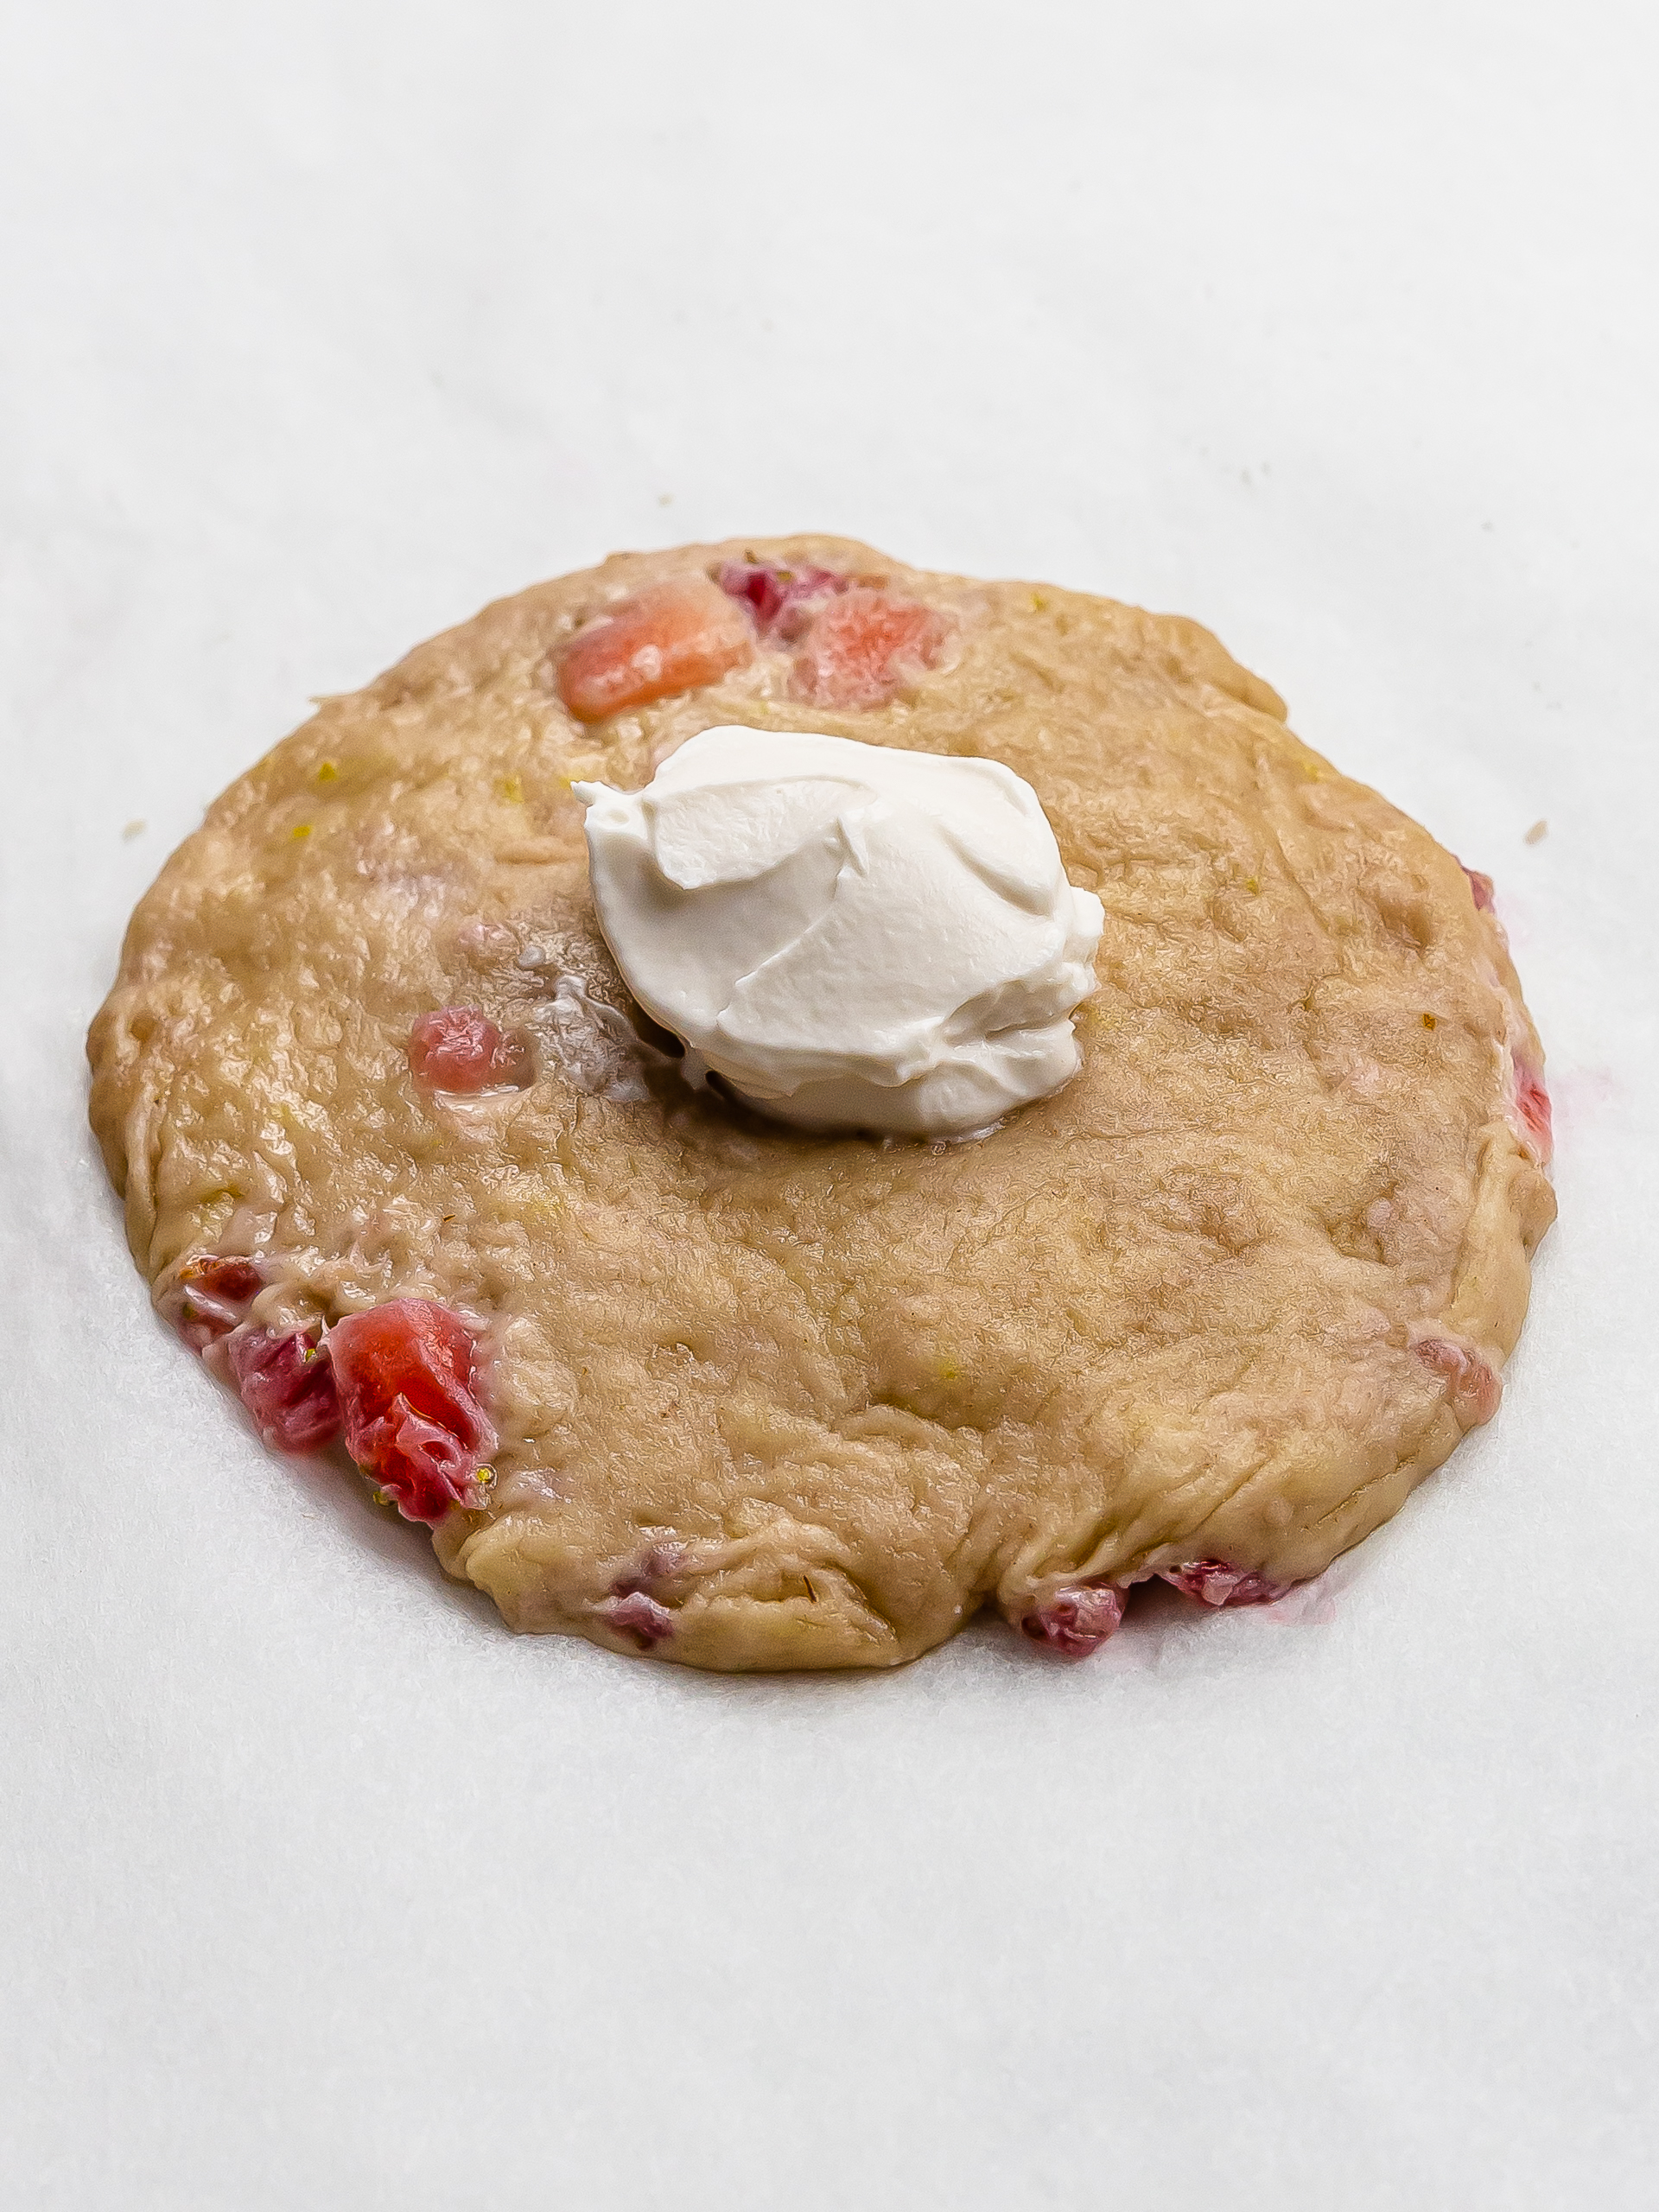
(852, 936)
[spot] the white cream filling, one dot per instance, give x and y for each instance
(852, 936)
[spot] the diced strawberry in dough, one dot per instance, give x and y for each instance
(1473, 1384)
(412, 1417)
(859, 648)
(231, 1277)
(780, 599)
(457, 1048)
(287, 1383)
(638, 1618)
(213, 1297)
(672, 637)
(658, 1565)
(1532, 1105)
(1074, 1621)
(1212, 1582)
(1480, 888)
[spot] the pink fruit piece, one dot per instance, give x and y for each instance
(1472, 1384)
(1213, 1582)
(456, 1048)
(213, 1297)
(637, 1617)
(1075, 1619)
(859, 648)
(1532, 1105)
(659, 1566)
(780, 599)
(1480, 886)
(672, 637)
(409, 1406)
(287, 1383)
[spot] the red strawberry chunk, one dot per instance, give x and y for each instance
(212, 1297)
(411, 1413)
(637, 1616)
(1532, 1105)
(457, 1048)
(1473, 1386)
(860, 648)
(780, 599)
(1480, 888)
(1076, 1619)
(1213, 1582)
(672, 637)
(288, 1384)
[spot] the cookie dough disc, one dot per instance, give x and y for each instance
(770, 1399)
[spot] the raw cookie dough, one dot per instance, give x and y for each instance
(768, 1400)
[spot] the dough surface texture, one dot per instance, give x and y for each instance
(762, 1399)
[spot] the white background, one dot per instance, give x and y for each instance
(1333, 326)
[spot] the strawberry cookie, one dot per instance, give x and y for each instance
(771, 1098)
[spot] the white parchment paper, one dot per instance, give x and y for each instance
(1334, 327)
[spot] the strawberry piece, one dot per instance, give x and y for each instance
(411, 1415)
(659, 1567)
(860, 647)
(1075, 1619)
(672, 637)
(1532, 1105)
(1480, 888)
(288, 1385)
(227, 1277)
(212, 1297)
(780, 599)
(457, 1048)
(1473, 1386)
(1213, 1582)
(637, 1617)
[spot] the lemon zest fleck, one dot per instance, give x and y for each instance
(328, 772)
(300, 830)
